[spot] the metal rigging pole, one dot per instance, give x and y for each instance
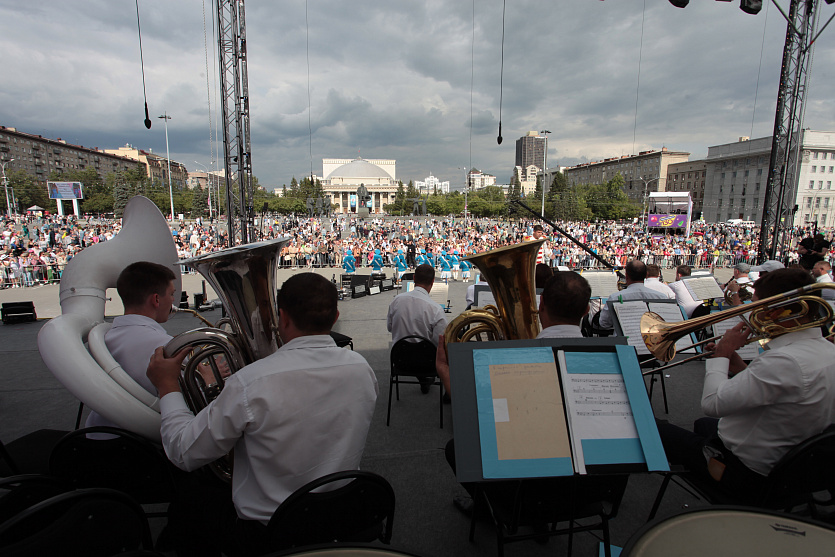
(781, 186)
(235, 117)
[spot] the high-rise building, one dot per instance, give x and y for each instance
(530, 150)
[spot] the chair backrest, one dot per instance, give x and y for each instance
(558, 499)
(807, 468)
(88, 522)
(413, 355)
(18, 493)
(360, 510)
(128, 462)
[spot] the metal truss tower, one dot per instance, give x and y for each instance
(235, 117)
(784, 165)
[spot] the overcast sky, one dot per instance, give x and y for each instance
(407, 80)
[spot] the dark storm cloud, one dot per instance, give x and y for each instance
(404, 79)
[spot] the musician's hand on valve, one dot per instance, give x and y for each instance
(164, 372)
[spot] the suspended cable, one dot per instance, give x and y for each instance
(759, 71)
(501, 76)
(309, 107)
(472, 78)
(638, 90)
(209, 105)
(142, 62)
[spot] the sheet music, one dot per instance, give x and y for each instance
(439, 293)
(484, 298)
(747, 352)
(703, 288)
(598, 408)
(603, 283)
(671, 313)
(629, 315)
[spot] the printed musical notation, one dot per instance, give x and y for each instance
(602, 402)
(703, 288)
(629, 315)
(603, 283)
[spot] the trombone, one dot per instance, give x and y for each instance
(660, 337)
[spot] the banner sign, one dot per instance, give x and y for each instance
(667, 221)
(353, 200)
(65, 190)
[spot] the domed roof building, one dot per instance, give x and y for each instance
(342, 177)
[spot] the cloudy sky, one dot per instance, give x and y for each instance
(413, 80)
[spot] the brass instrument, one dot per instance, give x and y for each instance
(661, 337)
(509, 271)
(244, 279)
(745, 293)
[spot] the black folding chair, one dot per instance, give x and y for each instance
(414, 356)
(359, 509)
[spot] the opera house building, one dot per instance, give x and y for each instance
(342, 177)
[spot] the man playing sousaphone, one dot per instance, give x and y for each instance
(760, 411)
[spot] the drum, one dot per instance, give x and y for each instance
(721, 531)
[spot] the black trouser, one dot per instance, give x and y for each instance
(688, 448)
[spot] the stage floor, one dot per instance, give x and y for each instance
(409, 453)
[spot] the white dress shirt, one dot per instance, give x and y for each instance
(784, 396)
(684, 298)
(656, 284)
(415, 313)
(635, 291)
(294, 416)
(561, 331)
(827, 294)
(131, 341)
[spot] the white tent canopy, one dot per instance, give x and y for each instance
(669, 201)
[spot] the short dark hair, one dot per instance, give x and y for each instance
(683, 270)
(310, 301)
(538, 228)
(424, 274)
(566, 296)
(139, 280)
(636, 270)
(781, 280)
(653, 270)
(542, 274)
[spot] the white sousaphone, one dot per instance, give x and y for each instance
(93, 376)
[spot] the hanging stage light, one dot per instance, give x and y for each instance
(752, 7)
(679, 3)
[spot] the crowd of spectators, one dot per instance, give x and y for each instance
(35, 249)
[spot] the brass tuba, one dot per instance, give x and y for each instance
(661, 337)
(244, 279)
(509, 271)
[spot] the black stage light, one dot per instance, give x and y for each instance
(679, 3)
(752, 7)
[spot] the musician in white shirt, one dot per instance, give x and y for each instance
(683, 296)
(653, 281)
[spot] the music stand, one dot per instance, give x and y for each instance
(632, 331)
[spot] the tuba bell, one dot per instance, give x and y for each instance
(244, 279)
(509, 271)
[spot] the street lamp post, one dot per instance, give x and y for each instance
(646, 196)
(545, 169)
(6, 185)
(466, 191)
(208, 186)
(165, 117)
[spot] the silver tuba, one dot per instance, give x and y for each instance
(93, 376)
(244, 278)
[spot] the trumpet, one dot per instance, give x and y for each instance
(660, 337)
